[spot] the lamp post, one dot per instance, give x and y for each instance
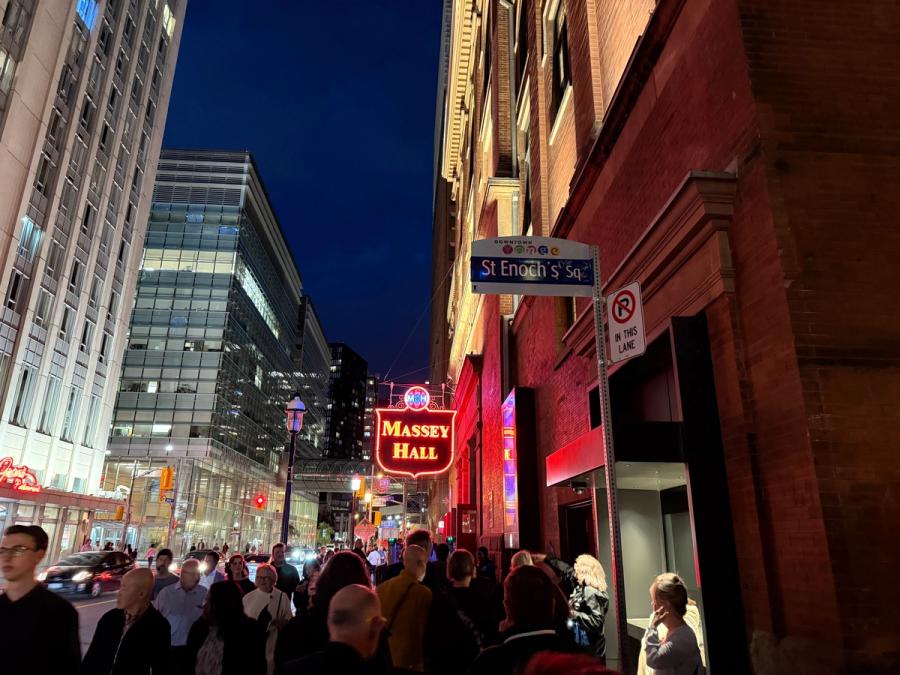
(294, 414)
(355, 482)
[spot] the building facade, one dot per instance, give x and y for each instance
(84, 91)
(314, 372)
(211, 362)
(732, 158)
(347, 411)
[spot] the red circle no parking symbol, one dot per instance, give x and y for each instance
(624, 304)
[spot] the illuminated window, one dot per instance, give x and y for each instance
(87, 10)
(255, 292)
(71, 415)
(7, 70)
(168, 21)
(30, 239)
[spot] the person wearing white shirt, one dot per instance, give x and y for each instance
(269, 607)
(212, 574)
(375, 558)
(182, 604)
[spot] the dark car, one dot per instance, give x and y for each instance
(92, 572)
(253, 561)
(200, 554)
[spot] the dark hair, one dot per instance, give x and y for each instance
(278, 545)
(420, 537)
(36, 533)
(311, 566)
(442, 551)
(483, 551)
(344, 569)
(461, 565)
(164, 551)
(236, 556)
(530, 598)
(212, 554)
(225, 608)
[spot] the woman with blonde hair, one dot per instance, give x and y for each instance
(588, 601)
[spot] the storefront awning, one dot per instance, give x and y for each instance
(62, 498)
(581, 456)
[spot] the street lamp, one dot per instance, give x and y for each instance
(355, 483)
(294, 416)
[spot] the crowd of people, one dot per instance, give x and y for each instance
(433, 611)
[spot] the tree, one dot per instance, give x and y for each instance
(324, 534)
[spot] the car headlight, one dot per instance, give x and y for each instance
(42, 576)
(311, 556)
(82, 576)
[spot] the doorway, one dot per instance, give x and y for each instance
(577, 534)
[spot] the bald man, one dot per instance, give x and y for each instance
(405, 602)
(133, 638)
(354, 628)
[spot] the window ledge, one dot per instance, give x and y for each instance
(567, 95)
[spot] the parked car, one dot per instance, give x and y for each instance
(92, 572)
(253, 561)
(201, 556)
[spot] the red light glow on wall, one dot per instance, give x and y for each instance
(19, 478)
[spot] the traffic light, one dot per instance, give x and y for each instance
(259, 501)
(120, 513)
(377, 518)
(361, 493)
(166, 481)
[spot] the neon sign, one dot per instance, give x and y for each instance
(414, 440)
(510, 473)
(19, 478)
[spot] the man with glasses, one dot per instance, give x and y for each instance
(31, 617)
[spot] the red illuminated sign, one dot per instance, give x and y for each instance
(19, 478)
(414, 441)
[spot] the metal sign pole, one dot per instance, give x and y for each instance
(612, 504)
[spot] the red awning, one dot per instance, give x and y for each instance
(584, 454)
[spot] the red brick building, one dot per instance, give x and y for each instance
(739, 158)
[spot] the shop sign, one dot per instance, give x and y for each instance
(19, 478)
(532, 266)
(414, 441)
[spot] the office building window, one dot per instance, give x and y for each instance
(24, 392)
(562, 74)
(55, 260)
(94, 296)
(70, 416)
(7, 70)
(87, 337)
(29, 239)
(75, 278)
(51, 403)
(43, 308)
(15, 291)
(91, 422)
(105, 342)
(65, 324)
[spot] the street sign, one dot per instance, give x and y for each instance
(532, 266)
(626, 323)
(170, 500)
(379, 501)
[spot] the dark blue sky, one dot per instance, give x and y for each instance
(336, 102)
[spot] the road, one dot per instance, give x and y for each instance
(89, 612)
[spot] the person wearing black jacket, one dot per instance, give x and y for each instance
(461, 617)
(29, 613)
(288, 576)
(588, 602)
(225, 641)
(134, 638)
(530, 602)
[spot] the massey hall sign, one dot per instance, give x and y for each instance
(414, 439)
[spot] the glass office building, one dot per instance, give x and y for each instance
(198, 433)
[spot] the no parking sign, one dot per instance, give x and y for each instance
(626, 323)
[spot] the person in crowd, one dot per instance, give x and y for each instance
(461, 617)
(130, 552)
(588, 601)
(307, 587)
(442, 555)
(554, 663)
(86, 545)
(29, 613)
(354, 631)
(435, 574)
(202, 545)
(485, 566)
(406, 602)
(212, 574)
(133, 638)
(530, 600)
(192, 548)
(164, 576)
(225, 641)
(151, 555)
(308, 633)
(374, 556)
(238, 572)
(359, 550)
(521, 559)
(225, 549)
(108, 546)
(269, 607)
(288, 576)
(679, 653)
(182, 604)
(97, 545)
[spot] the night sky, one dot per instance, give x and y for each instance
(336, 102)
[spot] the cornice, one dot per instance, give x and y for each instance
(462, 48)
